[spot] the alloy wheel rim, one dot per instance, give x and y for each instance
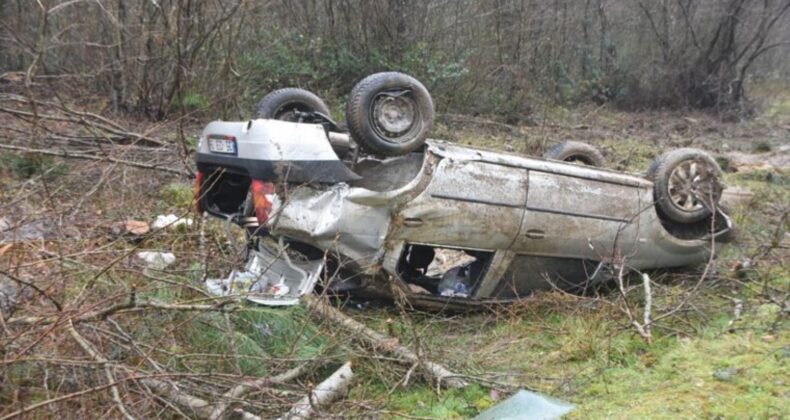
(686, 183)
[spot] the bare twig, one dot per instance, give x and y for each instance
(321, 310)
(245, 388)
(642, 329)
(88, 348)
(122, 308)
(646, 322)
(79, 155)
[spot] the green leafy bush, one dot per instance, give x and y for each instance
(193, 101)
(331, 68)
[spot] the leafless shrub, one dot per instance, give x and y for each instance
(502, 56)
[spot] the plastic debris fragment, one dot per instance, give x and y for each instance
(170, 221)
(157, 260)
(527, 405)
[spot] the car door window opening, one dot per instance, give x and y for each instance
(449, 272)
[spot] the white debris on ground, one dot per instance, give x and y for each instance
(269, 278)
(237, 282)
(156, 260)
(170, 221)
(254, 287)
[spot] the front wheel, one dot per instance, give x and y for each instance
(576, 152)
(687, 185)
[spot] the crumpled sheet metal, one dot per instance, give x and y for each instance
(270, 278)
(338, 218)
(527, 405)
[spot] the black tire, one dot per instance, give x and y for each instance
(576, 152)
(389, 113)
(687, 185)
(281, 104)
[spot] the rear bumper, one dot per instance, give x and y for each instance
(224, 181)
(297, 171)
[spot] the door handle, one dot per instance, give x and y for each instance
(412, 222)
(535, 234)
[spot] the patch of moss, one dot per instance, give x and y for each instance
(177, 195)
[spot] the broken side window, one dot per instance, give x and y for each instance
(450, 272)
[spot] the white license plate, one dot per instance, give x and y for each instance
(222, 145)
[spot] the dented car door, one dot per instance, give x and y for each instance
(469, 204)
(574, 215)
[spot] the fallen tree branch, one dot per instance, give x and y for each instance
(197, 406)
(64, 154)
(85, 119)
(32, 407)
(648, 312)
(193, 404)
(122, 308)
(88, 348)
(642, 329)
(322, 311)
(239, 391)
(24, 283)
(327, 391)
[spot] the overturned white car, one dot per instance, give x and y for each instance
(380, 211)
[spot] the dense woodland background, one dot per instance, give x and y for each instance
(503, 57)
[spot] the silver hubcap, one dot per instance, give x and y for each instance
(394, 114)
(686, 186)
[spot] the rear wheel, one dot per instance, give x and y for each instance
(576, 152)
(286, 104)
(687, 185)
(389, 113)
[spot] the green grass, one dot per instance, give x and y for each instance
(590, 358)
(682, 381)
(455, 403)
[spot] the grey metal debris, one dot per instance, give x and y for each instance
(270, 278)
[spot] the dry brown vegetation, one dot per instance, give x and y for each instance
(100, 105)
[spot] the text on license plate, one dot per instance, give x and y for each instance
(222, 144)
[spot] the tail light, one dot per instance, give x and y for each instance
(262, 199)
(198, 183)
